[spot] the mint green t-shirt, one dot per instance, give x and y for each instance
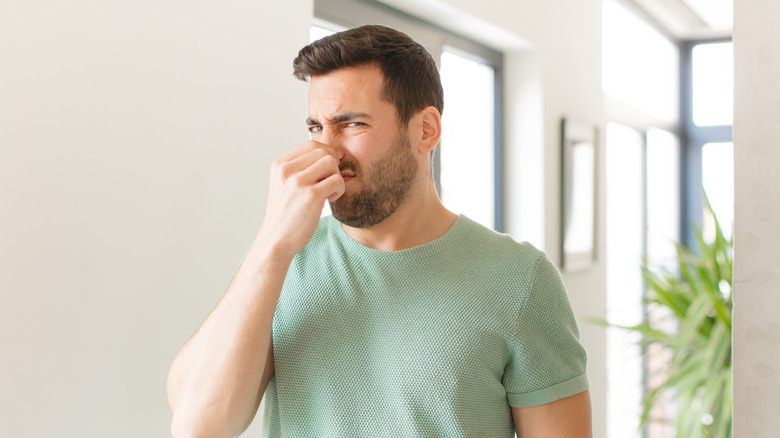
(439, 340)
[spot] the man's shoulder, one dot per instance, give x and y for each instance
(494, 245)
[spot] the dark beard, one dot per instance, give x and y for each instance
(385, 188)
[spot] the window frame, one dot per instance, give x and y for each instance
(692, 140)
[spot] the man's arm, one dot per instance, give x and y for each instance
(217, 380)
(569, 417)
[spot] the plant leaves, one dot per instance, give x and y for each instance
(698, 376)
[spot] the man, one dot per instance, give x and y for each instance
(394, 317)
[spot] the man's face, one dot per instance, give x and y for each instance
(346, 111)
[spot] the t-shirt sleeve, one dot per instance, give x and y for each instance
(546, 360)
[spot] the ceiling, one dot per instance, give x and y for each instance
(690, 19)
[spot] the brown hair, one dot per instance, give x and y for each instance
(411, 79)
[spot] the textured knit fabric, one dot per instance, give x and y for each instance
(438, 340)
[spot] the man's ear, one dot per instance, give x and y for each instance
(429, 133)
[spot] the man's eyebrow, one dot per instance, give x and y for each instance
(340, 118)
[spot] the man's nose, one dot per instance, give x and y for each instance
(328, 135)
(332, 138)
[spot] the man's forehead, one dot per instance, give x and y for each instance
(350, 91)
(347, 83)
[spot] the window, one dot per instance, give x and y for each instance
(662, 233)
(660, 161)
(467, 156)
(708, 103)
(625, 249)
(643, 193)
(713, 84)
(663, 197)
(467, 162)
(641, 69)
(718, 183)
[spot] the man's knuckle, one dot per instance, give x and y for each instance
(310, 194)
(297, 181)
(285, 170)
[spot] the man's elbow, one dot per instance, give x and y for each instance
(186, 428)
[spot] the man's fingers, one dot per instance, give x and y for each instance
(305, 148)
(320, 169)
(312, 158)
(318, 161)
(332, 186)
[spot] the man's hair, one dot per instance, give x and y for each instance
(411, 79)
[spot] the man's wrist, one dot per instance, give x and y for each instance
(271, 251)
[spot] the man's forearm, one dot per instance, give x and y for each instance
(569, 417)
(214, 384)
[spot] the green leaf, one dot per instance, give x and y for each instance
(699, 374)
(689, 335)
(723, 421)
(719, 348)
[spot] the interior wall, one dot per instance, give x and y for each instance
(756, 282)
(135, 141)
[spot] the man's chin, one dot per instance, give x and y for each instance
(347, 218)
(351, 218)
(353, 222)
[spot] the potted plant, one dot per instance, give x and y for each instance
(698, 300)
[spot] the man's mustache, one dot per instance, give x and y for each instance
(348, 165)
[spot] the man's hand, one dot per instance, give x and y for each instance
(301, 182)
(218, 378)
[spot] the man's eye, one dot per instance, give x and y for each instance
(314, 129)
(355, 124)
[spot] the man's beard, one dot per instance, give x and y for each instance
(385, 186)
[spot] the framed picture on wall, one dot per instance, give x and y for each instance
(579, 145)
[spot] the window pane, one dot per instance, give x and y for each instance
(713, 84)
(625, 228)
(718, 181)
(663, 232)
(663, 197)
(641, 66)
(467, 145)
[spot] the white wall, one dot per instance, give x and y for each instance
(756, 285)
(135, 140)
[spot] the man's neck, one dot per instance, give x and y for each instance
(420, 220)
